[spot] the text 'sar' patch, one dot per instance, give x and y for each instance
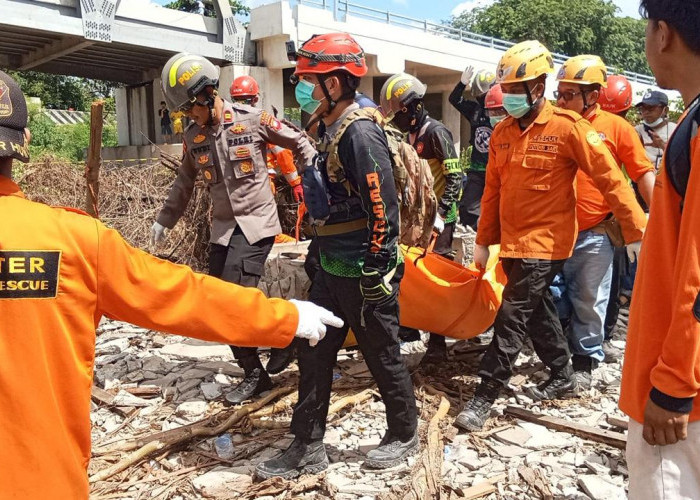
(29, 274)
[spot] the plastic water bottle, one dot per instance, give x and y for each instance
(224, 446)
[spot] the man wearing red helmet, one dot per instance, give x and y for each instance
(245, 90)
(616, 98)
(361, 265)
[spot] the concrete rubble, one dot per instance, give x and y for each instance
(161, 382)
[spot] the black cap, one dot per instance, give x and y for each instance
(654, 98)
(13, 120)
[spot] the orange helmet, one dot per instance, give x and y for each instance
(331, 52)
(494, 97)
(244, 87)
(617, 97)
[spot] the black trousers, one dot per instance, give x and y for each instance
(443, 243)
(613, 311)
(242, 263)
(470, 204)
(377, 337)
(527, 310)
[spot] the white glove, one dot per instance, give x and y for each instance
(439, 223)
(481, 256)
(633, 250)
(313, 320)
(157, 233)
(467, 75)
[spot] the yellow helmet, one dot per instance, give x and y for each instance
(524, 61)
(584, 70)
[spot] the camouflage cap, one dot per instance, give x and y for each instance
(13, 120)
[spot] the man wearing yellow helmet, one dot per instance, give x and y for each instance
(529, 208)
(586, 277)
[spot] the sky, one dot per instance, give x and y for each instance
(438, 10)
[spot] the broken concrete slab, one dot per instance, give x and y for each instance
(601, 488)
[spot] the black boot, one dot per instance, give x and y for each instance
(583, 371)
(280, 359)
(302, 457)
(477, 410)
(392, 451)
(255, 382)
(437, 350)
(559, 385)
(407, 334)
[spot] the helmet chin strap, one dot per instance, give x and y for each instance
(529, 100)
(211, 101)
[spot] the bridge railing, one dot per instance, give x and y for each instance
(343, 8)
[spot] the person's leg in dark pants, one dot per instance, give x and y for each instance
(437, 347)
(307, 453)
(527, 309)
(244, 264)
(470, 204)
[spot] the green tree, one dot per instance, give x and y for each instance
(62, 92)
(572, 27)
(237, 7)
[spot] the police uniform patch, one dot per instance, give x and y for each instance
(29, 274)
(203, 159)
(268, 120)
(419, 147)
(199, 138)
(242, 152)
(246, 167)
(593, 138)
(238, 128)
(228, 116)
(207, 175)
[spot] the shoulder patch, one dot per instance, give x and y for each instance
(29, 274)
(593, 138)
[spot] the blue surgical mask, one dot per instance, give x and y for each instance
(516, 105)
(496, 119)
(303, 94)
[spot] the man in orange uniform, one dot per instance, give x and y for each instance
(245, 90)
(586, 279)
(60, 272)
(661, 372)
(529, 208)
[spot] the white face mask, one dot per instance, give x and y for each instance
(655, 123)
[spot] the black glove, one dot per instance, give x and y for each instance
(374, 286)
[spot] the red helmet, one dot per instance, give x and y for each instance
(494, 97)
(331, 52)
(617, 97)
(244, 87)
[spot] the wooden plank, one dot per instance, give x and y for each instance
(482, 489)
(100, 396)
(617, 422)
(615, 439)
(94, 159)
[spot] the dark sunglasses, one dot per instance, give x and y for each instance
(190, 104)
(567, 95)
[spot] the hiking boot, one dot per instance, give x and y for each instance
(437, 350)
(280, 359)
(477, 410)
(255, 382)
(302, 457)
(392, 451)
(583, 368)
(559, 385)
(612, 353)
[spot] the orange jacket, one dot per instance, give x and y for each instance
(278, 157)
(60, 272)
(623, 142)
(529, 201)
(663, 339)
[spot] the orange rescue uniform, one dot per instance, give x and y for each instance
(60, 272)
(282, 159)
(663, 339)
(529, 201)
(623, 142)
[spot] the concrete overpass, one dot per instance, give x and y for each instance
(128, 41)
